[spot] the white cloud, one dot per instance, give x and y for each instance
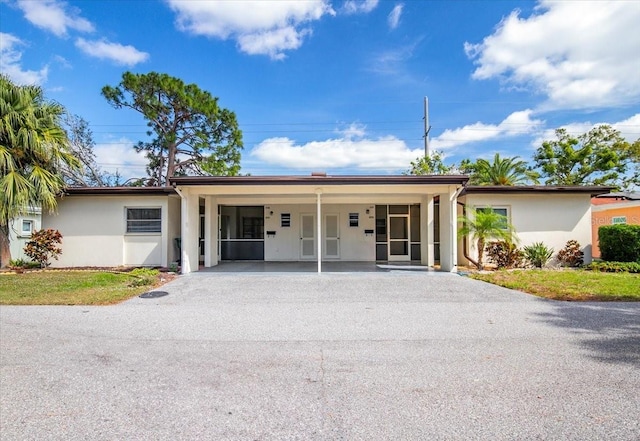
(118, 53)
(518, 123)
(352, 150)
(629, 129)
(120, 156)
(54, 16)
(10, 65)
(580, 54)
(259, 27)
(359, 6)
(394, 16)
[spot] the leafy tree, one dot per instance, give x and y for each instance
(430, 165)
(33, 151)
(484, 225)
(502, 171)
(599, 157)
(81, 144)
(192, 134)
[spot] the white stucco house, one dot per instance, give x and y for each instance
(201, 221)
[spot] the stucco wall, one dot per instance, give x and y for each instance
(94, 232)
(354, 244)
(552, 219)
(17, 240)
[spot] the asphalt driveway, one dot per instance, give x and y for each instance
(354, 356)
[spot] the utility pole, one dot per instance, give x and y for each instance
(427, 127)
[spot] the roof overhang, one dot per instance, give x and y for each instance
(592, 190)
(320, 180)
(119, 191)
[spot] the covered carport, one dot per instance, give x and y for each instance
(310, 197)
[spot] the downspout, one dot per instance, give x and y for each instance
(465, 252)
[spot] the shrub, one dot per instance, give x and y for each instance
(44, 246)
(143, 276)
(23, 263)
(538, 254)
(614, 267)
(620, 243)
(571, 254)
(505, 254)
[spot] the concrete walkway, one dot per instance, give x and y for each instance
(408, 355)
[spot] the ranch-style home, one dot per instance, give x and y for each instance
(201, 221)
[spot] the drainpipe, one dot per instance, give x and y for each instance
(465, 252)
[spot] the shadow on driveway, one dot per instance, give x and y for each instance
(620, 321)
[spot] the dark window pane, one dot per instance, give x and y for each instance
(398, 209)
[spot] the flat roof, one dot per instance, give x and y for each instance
(320, 180)
(593, 190)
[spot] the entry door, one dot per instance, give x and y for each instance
(331, 236)
(399, 238)
(307, 236)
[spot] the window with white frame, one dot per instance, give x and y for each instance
(502, 211)
(144, 220)
(27, 228)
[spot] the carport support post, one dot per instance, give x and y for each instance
(210, 231)
(319, 227)
(427, 249)
(190, 212)
(448, 230)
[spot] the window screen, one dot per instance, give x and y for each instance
(144, 220)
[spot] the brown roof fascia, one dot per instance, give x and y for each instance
(593, 190)
(320, 180)
(114, 191)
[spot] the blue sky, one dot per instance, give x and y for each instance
(338, 86)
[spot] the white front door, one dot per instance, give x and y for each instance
(307, 236)
(399, 238)
(331, 236)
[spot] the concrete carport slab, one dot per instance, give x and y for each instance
(331, 356)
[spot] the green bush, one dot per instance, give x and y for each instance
(23, 263)
(538, 254)
(614, 267)
(143, 276)
(619, 243)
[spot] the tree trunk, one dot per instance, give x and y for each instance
(480, 253)
(5, 250)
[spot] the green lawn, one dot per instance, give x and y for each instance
(568, 284)
(53, 287)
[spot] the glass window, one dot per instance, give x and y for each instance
(398, 209)
(27, 227)
(381, 223)
(501, 211)
(144, 220)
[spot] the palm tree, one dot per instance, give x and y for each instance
(33, 148)
(503, 171)
(484, 225)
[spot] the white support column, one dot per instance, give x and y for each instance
(210, 231)
(448, 230)
(319, 227)
(427, 230)
(189, 236)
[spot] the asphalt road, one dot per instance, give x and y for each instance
(342, 356)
